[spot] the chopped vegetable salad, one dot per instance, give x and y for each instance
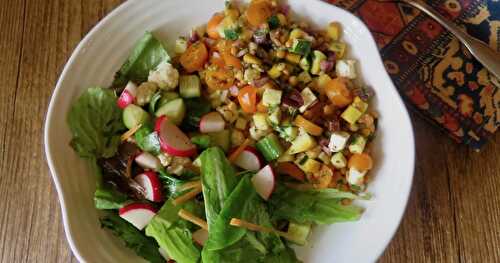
(235, 145)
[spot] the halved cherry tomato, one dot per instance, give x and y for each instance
(247, 97)
(217, 60)
(231, 60)
(212, 25)
(219, 79)
(258, 12)
(224, 45)
(308, 126)
(194, 57)
(338, 92)
(360, 161)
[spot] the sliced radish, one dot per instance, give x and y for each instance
(152, 186)
(172, 140)
(249, 159)
(200, 236)
(148, 161)
(128, 95)
(138, 214)
(264, 181)
(212, 122)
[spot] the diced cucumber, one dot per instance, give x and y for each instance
(333, 30)
(338, 160)
(309, 99)
(134, 115)
(289, 133)
(301, 47)
(304, 77)
(298, 233)
(167, 97)
(175, 110)
(316, 64)
(358, 144)
(302, 143)
(305, 63)
(189, 86)
(221, 139)
(270, 147)
(274, 116)
(260, 121)
(271, 97)
(203, 141)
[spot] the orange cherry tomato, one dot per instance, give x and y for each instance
(258, 12)
(194, 57)
(219, 79)
(310, 127)
(247, 97)
(212, 25)
(219, 61)
(231, 60)
(360, 161)
(338, 92)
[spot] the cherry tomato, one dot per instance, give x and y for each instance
(360, 161)
(338, 92)
(247, 97)
(194, 57)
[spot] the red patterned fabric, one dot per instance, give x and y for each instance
(431, 69)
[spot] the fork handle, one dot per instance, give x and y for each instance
(483, 53)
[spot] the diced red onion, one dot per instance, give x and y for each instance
(324, 145)
(293, 99)
(233, 90)
(193, 37)
(326, 65)
(332, 56)
(260, 82)
(216, 55)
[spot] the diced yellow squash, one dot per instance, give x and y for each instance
(275, 71)
(293, 58)
(310, 166)
(251, 59)
(260, 121)
(286, 158)
(241, 123)
(296, 33)
(322, 80)
(304, 77)
(333, 31)
(339, 48)
(302, 143)
(355, 111)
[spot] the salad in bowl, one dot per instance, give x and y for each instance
(234, 146)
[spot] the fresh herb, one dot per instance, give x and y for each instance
(232, 34)
(301, 47)
(273, 22)
(133, 238)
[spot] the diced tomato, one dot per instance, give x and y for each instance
(247, 97)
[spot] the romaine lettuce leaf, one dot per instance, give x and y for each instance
(218, 179)
(133, 238)
(317, 206)
(147, 54)
(96, 122)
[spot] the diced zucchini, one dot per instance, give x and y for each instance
(275, 71)
(301, 47)
(309, 99)
(286, 158)
(251, 59)
(289, 133)
(317, 59)
(189, 86)
(302, 143)
(175, 110)
(221, 139)
(305, 63)
(339, 48)
(271, 97)
(304, 77)
(357, 144)
(260, 121)
(250, 75)
(324, 157)
(298, 233)
(333, 31)
(202, 141)
(310, 166)
(166, 97)
(241, 123)
(355, 111)
(270, 147)
(134, 115)
(180, 45)
(346, 68)
(338, 160)
(274, 116)
(338, 141)
(293, 58)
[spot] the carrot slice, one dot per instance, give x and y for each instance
(239, 150)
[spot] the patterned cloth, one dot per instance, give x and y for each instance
(431, 69)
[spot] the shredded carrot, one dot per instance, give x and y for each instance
(190, 185)
(257, 228)
(130, 132)
(184, 214)
(239, 150)
(187, 196)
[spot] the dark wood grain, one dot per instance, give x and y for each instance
(453, 214)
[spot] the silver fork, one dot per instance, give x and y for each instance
(483, 53)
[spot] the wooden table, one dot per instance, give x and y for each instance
(453, 214)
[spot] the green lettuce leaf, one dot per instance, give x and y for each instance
(218, 179)
(317, 206)
(195, 109)
(133, 238)
(174, 234)
(147, 139)
(96, 122)
(285, 256)
(147, 54)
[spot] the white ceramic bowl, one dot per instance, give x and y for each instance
(104, 49)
